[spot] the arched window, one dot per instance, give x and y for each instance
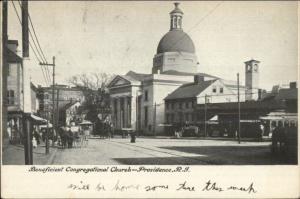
(255, 67)
(248, 68)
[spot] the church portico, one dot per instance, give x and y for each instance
(123, 92)
(122, 111)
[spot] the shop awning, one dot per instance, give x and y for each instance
(280, 116)
(86, 122)
(45, 125)
(213, 120)
(38, 120)
(165, 125)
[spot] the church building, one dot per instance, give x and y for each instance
(138, 100)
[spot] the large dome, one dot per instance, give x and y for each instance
(176, 41)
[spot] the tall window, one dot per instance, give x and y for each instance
(146, 95)
(8, 70)
(221, 90)
(10, 97)
(146, 116)
(180, 105)
(255, 67)
(172, 105)
(193, 104)
(186, 104)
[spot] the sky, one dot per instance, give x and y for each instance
(115, 37)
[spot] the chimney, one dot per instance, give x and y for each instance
(13, 45)
(293, 84)
(198, 79)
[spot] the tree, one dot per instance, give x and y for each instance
(97, 99)
(93, 81)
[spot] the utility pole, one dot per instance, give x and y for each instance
(26, 87)
(57, 108)
(4, 67)
(53, 104)
(205, 98)
(239, 108)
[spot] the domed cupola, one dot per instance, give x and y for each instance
(176, 18)
(176, 50)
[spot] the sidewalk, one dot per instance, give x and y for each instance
(265, 139)
(14, 155)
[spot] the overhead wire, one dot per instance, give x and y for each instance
(209, 13)
(36, 55)
(40, 51)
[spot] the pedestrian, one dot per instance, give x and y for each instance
(77, 139)
(34, 142)
(275, 139)
(9, 133)
(36, 135)
(282, 137)
(70, 138)
(64, 138)
(262, 130)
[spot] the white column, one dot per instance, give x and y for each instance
(125, 112)
(113, 108)
(118, 113)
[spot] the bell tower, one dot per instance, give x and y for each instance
(252, 80)
(176, 18)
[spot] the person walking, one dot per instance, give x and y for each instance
(62, 136)
(275, 139)
(262, 131)
(9, 133)
(36, 135)
(70, 138)
(282, 137)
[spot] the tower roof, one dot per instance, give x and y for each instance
(176, 41)
(176, 9)
(252, 60)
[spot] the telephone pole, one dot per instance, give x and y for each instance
(205, 107)
(4, 68)
(239, 108)
(26, 120)
(53, 103)
(57, 109)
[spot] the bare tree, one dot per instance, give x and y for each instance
(93, 81)
(96, 97)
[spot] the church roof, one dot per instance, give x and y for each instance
(175, 72)
(189, 90)
(176, 41)
(136, 76)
